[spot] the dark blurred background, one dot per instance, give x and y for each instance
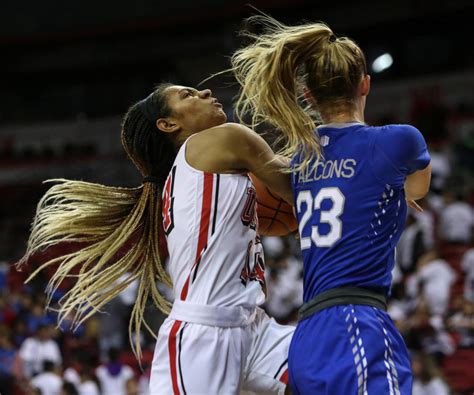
(69, 71)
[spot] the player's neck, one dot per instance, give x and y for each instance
(345, 115)
(344, 118)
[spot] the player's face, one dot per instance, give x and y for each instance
(193, 111)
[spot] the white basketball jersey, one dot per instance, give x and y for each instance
(216, 256)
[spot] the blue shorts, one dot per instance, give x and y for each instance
(349, 350)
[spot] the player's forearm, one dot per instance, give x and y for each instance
(277, 179)
(272, 170)
(259, 159)
(417, 184)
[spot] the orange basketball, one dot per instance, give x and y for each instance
(275, 216)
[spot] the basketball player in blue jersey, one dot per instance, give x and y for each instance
(351, 184)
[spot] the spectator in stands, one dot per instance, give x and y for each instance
(115, 377)
(424, 332)
(19, 331)
(464, 142)
(8, 356)
(427, 378)
(49, 382)
(462, 322)
(399, 306)
(71, 373)
(114, 321)
(433, 280)
(74, 331)
(111, 328)
(88, 384)
(128, 297)
(426, 219)
(456, 219)
(440, 169)
(284, 288)
(273, 246)
(39, 348)
(21, 303)
(35, 317)
(4, 269)
(411, 245)
(7, 313)
(68, 389)
(144, 381)
(467, 265)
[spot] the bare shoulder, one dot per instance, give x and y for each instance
(222, 134)
(216, 149)
(228, 137)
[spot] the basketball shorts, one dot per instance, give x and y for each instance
(220, 350)
(350, 350)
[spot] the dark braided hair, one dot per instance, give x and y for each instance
(150, 149)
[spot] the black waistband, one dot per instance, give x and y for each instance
(343, 296)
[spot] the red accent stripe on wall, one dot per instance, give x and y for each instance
(204, 226)
(172, 351)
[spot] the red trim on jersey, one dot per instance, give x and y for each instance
(172, 351)
(284, 377)
(204, 226)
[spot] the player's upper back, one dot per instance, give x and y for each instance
(351, 205)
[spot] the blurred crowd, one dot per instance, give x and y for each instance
(432, 300)
(41, 357)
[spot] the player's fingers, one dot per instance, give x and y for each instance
(414, 205)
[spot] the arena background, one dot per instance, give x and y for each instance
(70, 70)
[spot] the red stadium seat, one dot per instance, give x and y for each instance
(458, 370)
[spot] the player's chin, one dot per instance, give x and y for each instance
(221, 117)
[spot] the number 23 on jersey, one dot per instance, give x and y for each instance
(308, 206)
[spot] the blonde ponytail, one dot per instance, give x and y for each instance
(273, 70)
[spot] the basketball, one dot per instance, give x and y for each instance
(275, 216)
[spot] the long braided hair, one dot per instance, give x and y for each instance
(107, 220)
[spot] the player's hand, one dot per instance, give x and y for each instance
(414, 205)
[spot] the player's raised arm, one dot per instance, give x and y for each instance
(232, 148)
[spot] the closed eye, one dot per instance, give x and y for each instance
(187, 93)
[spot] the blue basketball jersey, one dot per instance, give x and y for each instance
(351, 205)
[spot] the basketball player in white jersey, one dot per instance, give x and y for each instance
(195, 190)
(215, 340)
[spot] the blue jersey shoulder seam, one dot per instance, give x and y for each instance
(376, 146)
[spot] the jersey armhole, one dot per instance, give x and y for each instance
(185, 161)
